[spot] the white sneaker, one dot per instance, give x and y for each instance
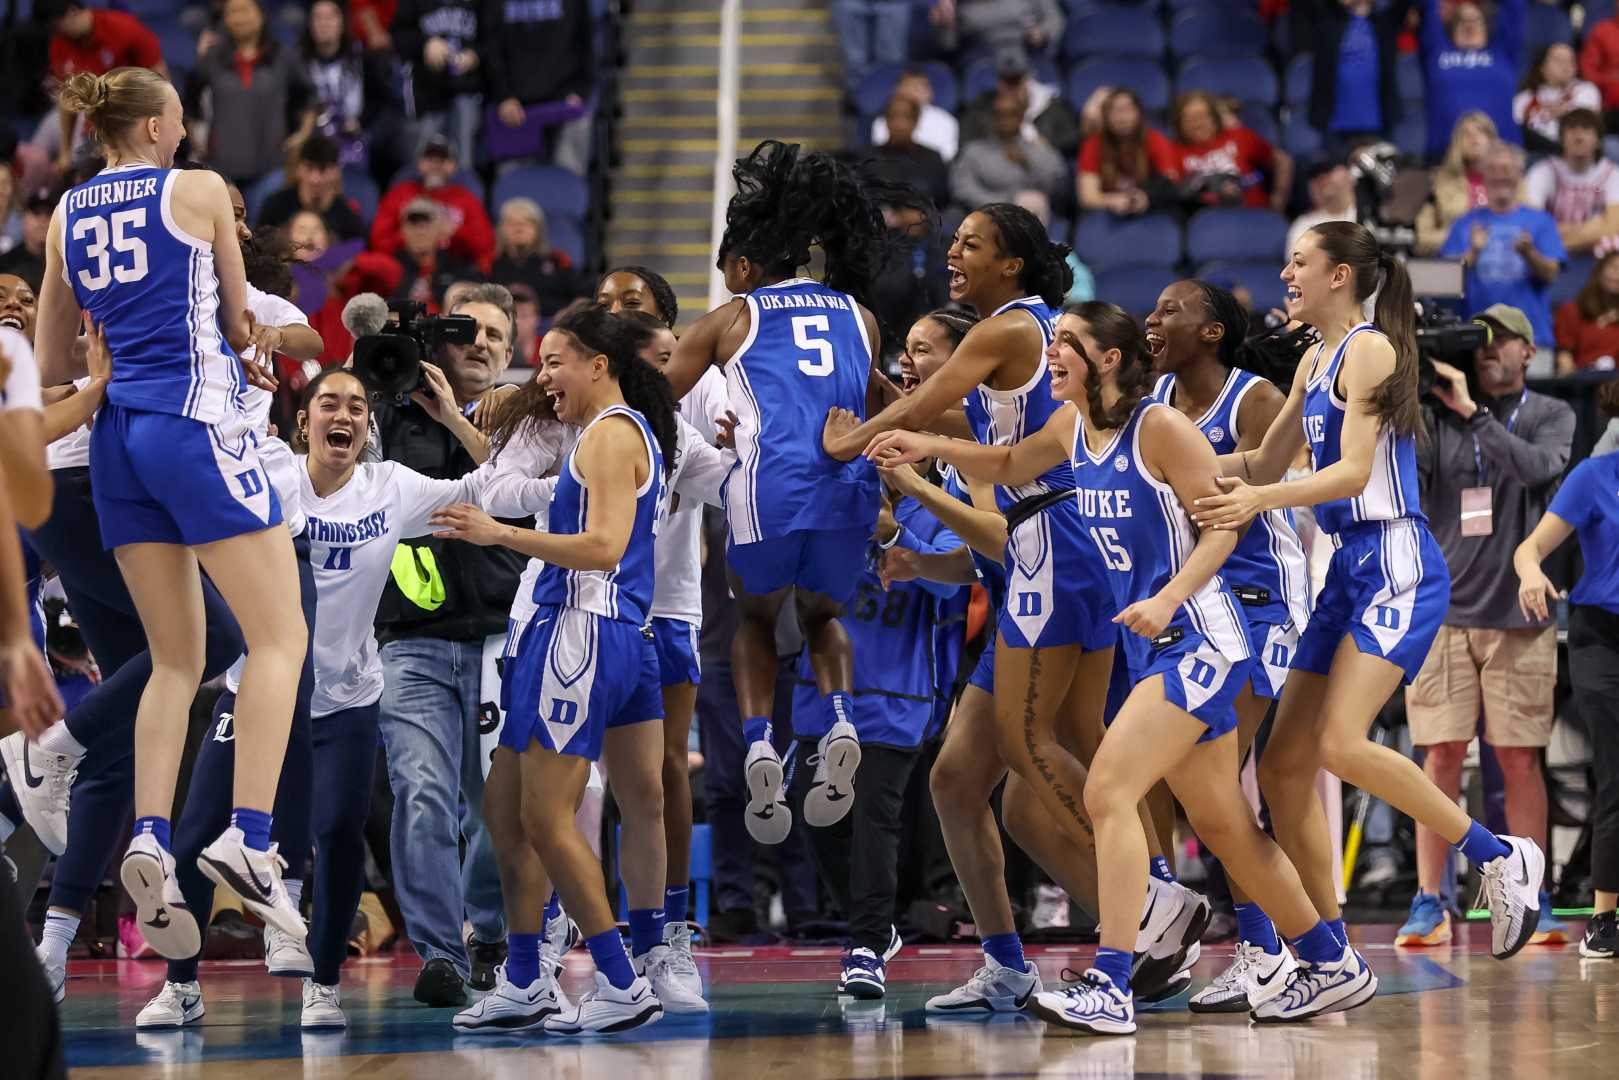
(55, 974)
(768, 819)
(1050, 908)
(323, 1007)
(674, 992)
(993, 988)
(561, 937)
(509, 1008)
(1253, 977)
(42, 783)
(255, 876)
(1317, 989)
(1093, 1005)
(176, 1005)
(1511, 890)
(831, 793)
(682, 967)
(286, 955)
(1172, 921)
(609, 1010)
(161, 913)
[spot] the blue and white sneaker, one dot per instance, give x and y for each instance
(1093, 1005)
(993, 988)
(1317, 989)
(1511, 890)
(1428, 923)
(864, 974)
(1549, 930)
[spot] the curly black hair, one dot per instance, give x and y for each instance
(267, 258)
(1020, 235)
(1225, 310)
(789, 200)
(1115, 328)
(662, 293)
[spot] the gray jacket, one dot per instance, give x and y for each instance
(1522, 467)
(247, 123)
(982, 173)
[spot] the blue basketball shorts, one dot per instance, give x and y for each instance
(1274, 645)
(1197, 677)
(1057, 592)
(1388, 588)
(576, 674)
(676, 644)
(826, 561)
(158, 478)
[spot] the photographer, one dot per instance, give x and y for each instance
(1487, 470)
(446, 604)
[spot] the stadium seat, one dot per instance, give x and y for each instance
(1298, 80)
(1175, 7)
(1247, 78)
(1569, 283)
(358, 185)
(1135, 288)
(178, 45)
(261, 189)
(878, 86)
(566, 234)
(1237, 233)
(1261, 121)
(1060, 229)
(1114, 31)
(978, 77)
(1261, 277)
(557, 190)
(1546, 26)
(1301, 139)
(1104, 240)
(1217, 31)
(1598, 10)
(1145, 77)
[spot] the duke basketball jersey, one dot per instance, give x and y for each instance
(624, 593)
(154, 289)
(1391, 492)
(806, 353)
(1268, 569)
(1004, 417)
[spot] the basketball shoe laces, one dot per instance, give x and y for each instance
(1089, 991)
(1246, 957)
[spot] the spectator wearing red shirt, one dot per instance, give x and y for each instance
(371, 21)
(471, 236)
(1226, 167)
(1587, 327)
(1599, 62)
(426, 268)
(1127, 167)
(93, 40)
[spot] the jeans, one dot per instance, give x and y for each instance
(459, 124)
(871, 32)
(429, 724)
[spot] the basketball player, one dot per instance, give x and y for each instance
(635, 288)
(152, 254)
(1354, 399)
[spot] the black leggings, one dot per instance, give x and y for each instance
(1593, 660)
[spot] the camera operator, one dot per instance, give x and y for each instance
(1487, 469)
(446, 602)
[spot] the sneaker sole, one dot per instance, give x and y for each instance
(323, 1025)
(863, 990)
(505, 1024)
(37, 819)
(1235, 1005)
(1531, 916)
(1176, 986)
(768, 819)
(1157, 972)
(172, 1025)
(1585, 951)
(291, 972)
(171, 930)
(1057, 1019)
(650, 1015)
(225, 876)
(821, 809)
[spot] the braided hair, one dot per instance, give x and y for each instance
(1225, 310)
(663, 294)
(954, 322)
(1114, 328)
(596, 330)
(1020, 235)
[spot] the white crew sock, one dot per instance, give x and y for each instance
(60, 930)
(59, 740)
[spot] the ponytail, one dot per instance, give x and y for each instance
(1394, 400)
(648, 392)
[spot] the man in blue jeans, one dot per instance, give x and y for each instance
(440, 625)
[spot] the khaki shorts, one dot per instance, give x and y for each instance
(1511, 673)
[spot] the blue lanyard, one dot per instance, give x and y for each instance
(1512, 422)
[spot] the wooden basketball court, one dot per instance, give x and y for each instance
(1440, 1014)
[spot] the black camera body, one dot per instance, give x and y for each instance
(1444, 336)
(390, 362)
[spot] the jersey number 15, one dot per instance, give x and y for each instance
(820, 364)
(101, 270)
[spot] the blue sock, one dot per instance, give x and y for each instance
(255, 826)
(522, 959)
(1115, 964)
(1255, 927)
(1480, 845)
(674, 905)
(1160, 869)
(1319, 946)
(838, 707)
(646, 930)
(1007, 949)
(755, 729)
(607, 952)
(1338, 930)
(157, 826)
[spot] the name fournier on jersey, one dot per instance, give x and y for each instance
(111, 192)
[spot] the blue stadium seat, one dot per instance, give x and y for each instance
(358, 185)
(1598, 10)
(1114, 31)
(567, 235)
(1217, 31)
(1297, 80)
(979, 76)
(1176, 6)
(1145, 77)
(1259, 276)
(1135, 288)
(557, 190)
(1569, 283)
(1408, 76)
(1237, 233)
(1105, 241)
(1261, 121)
(1248, 78)
(1300, 139)
(871, 97)
(1545, 26)
(261, 189)
(178, 45)
(465, 177)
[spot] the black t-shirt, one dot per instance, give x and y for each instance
(342, 218)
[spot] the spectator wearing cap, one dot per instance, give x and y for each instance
(539, 64)
(1468, 64)
(1332, 198)
(1487, 470)
(1588, 325)
(426, 266)
(1011, 30)
(356, 97)
(524, 257)
(1359, 95)
(438, 40)
(317, 185)
(936, 128)
(1004, 164)
(1511, 252)
(27, 259)
(94, 40)
(1126, 167)
(901, 158)
(1550, 90)
(1045, 113)
(471, 237)
(1579, 187)
(1226, 166)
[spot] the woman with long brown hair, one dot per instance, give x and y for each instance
(1127, 166)
(1587, 326)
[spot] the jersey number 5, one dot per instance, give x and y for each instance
(103, 271)
(802, 325)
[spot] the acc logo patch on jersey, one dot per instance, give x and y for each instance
(1216, 434)
(1121, 463)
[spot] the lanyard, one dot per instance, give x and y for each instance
(1512, 422)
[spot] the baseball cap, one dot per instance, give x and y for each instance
(436, 146)
(1507, 318)
(41, 200)
(420, 208)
